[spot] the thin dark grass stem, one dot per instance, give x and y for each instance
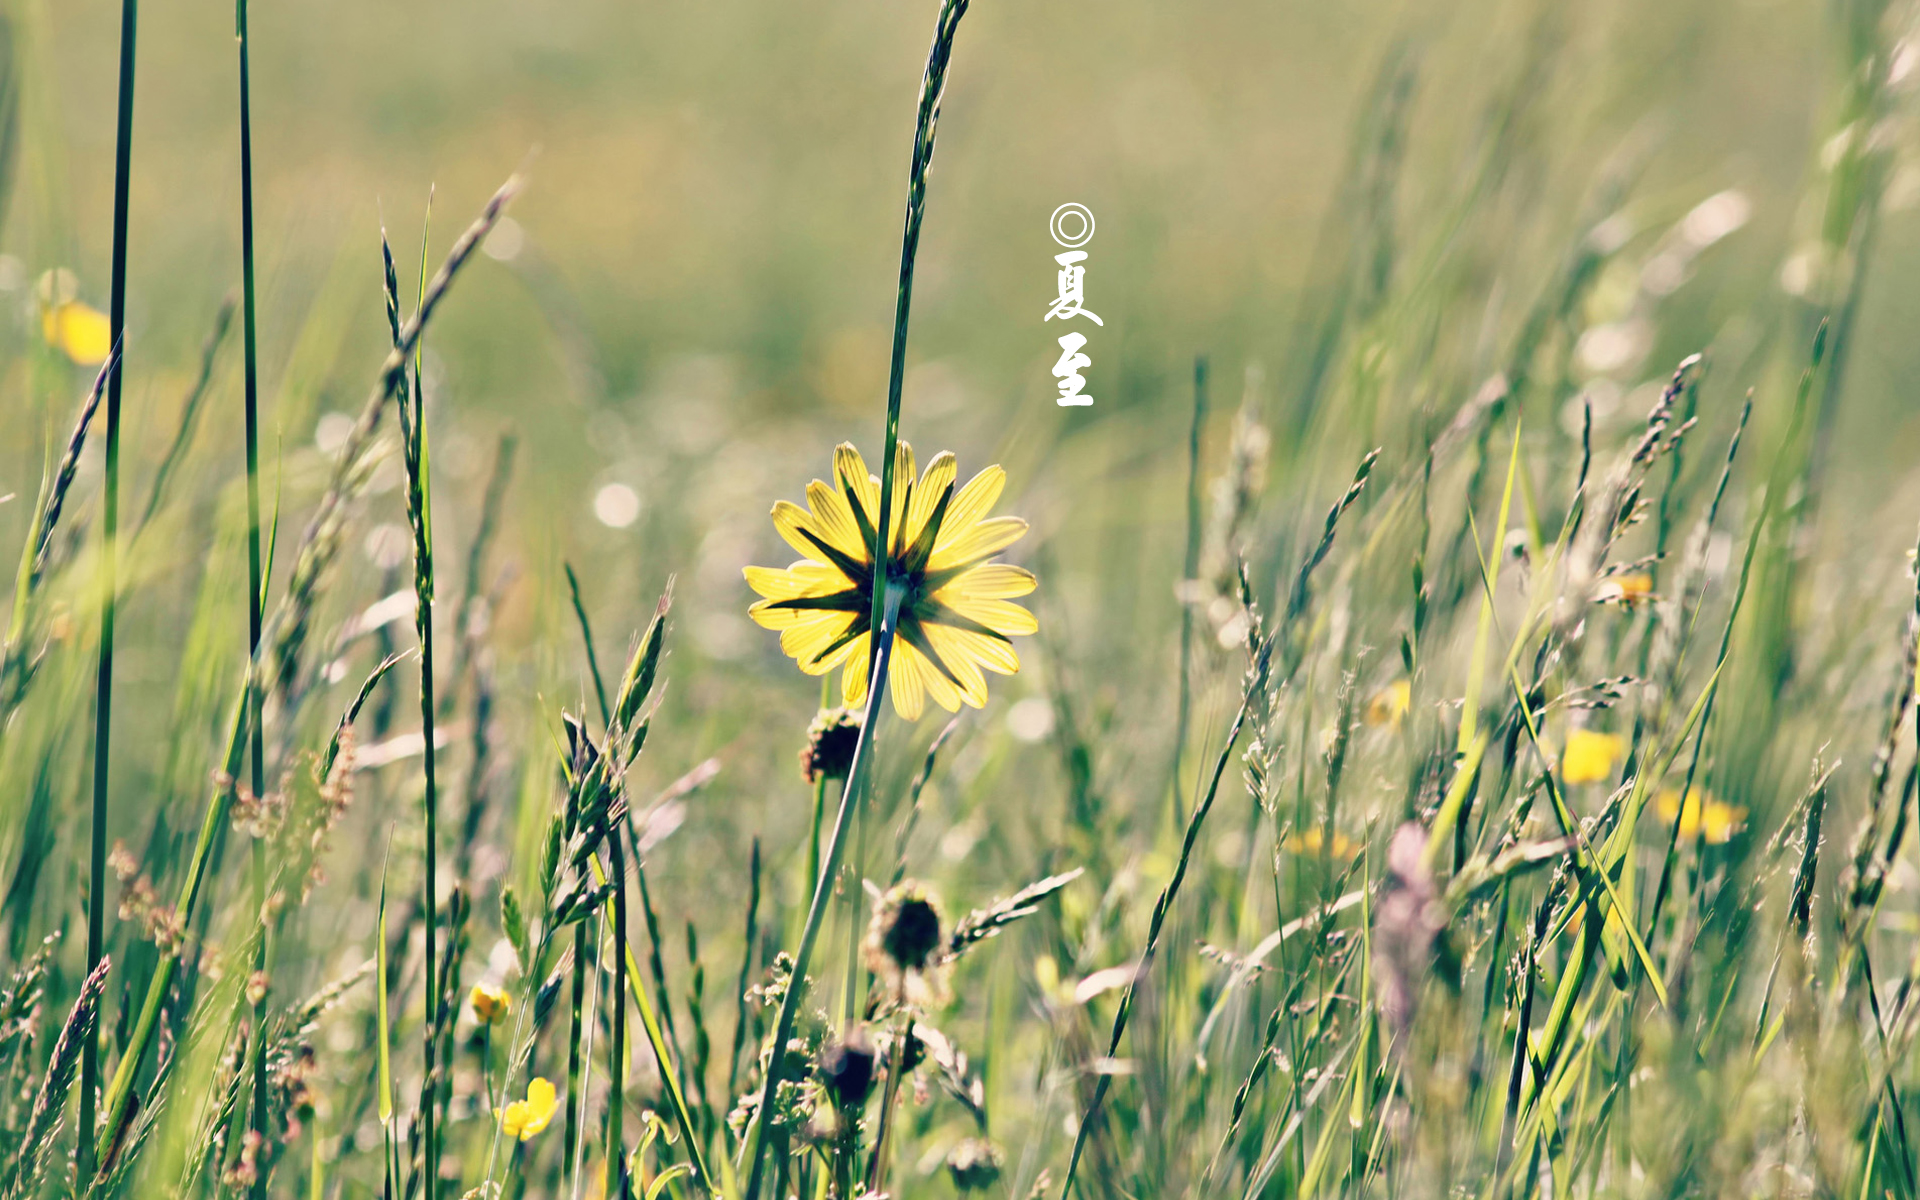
(109, 584)
(616, 1067)
(256, 591)
(586, 637)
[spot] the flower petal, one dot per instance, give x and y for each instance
(810, 642)
(793, 524)
(927, 494)
(974, 647)
(970, 504)
(956, 652)
(834, 518)
(902, 489)
(990, 581)
(804, 578)
(853, 682)
(997, 615)
(975, 543)
(850, 472)
(907, 679)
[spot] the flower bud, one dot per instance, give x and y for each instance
(831, 741)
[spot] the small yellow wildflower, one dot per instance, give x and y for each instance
(1312, 842)
(1591, 756)
(489, 1003)
(956, 615)
(1625, 589)
(524, 1118)
(1390, 703)
(77, 330)
(1703, 816)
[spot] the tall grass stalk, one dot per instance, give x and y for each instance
(109, 583)
(886, 600)
(413, 429)
(283, 631)
(256, 586)
(1189, 573)
(617, 1051)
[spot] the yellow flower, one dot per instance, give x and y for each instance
(524, 1118)
(1312, 842)
(1703, 815)
(1390, 703)
(1625, 589)
(77, 330)
(955, 610)
(1590, 756)
(489, 1003)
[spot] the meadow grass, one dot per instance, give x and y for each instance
(1511, 796)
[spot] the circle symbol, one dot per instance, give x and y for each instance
(1071, 225)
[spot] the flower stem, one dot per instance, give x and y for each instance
(850, 796)
(110, 523)
(256, 592)
(896, 1067)
(617, 1058)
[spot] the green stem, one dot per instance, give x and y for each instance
(110, 531)
(822, 890)
(890, 1098)
(851, 997)
(617, 1074)
(255, 588)
(1191, 569)
(575, 1026)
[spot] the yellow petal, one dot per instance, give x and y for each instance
(997, 615)
(806, 641)
(977, 542)
(989, 652)
(938, 686)
(926, 495)
(957, 654)
(992, 581)
(850, 472)
(853, 682)
(791, 520)
(804, 578)
(905, 680)
(970, 504)
(542, 1099)
(902, 485)
(833, 516)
